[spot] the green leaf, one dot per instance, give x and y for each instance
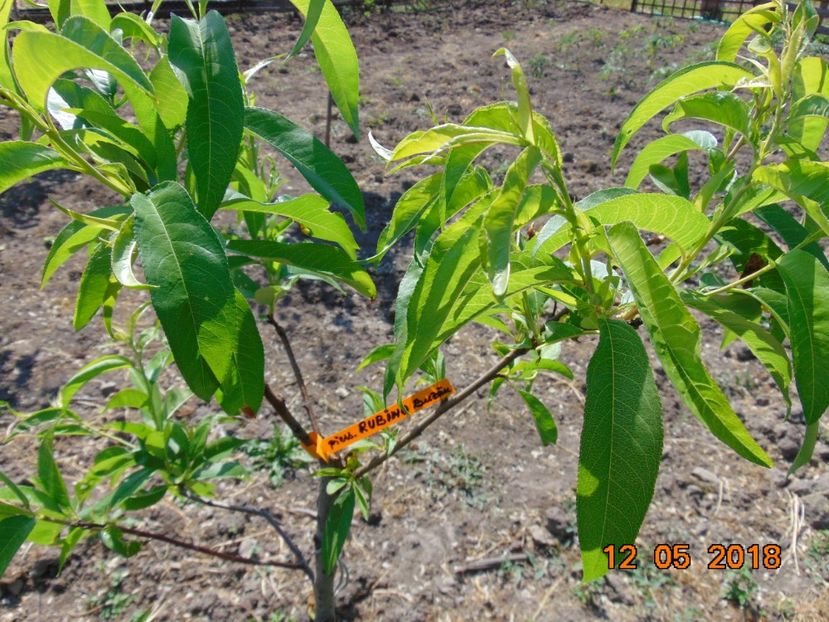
(814, 105)
(40, 58)
(312, 18)
(450, 136)
(13, 533)
(243, 385)
(113, 539)
(7, 510)
(722, 108)
(14, 489)
(380, 353)
(805, 182)
(194, 297)
(700, 77)
(20, 160)
(804, 456)
(807, 289)
(94, 287)
(519, 81)
(202, 54)
(68, 545)
(337, 528)
(811, 77)
(72, 238)
(321, 168)
(408, 211)
(145, 498)
(544, 422)
(308, 210)
(6, 78)
(674, 217)
(171, 96)
(91, 370)
(477, 299)
(45, 533)
(447, 271)
(317, 258)
(621, 445)
(133, 27)
(768, 350)
(752, 21)
(49, 475)
(792, 232)
(124, 253)
(662, 148)
(496, 243)
(129, 486)
(676, 339)
(337, 59)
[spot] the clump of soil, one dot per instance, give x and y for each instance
(452, 503)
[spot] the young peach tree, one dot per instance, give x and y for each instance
(180, 142)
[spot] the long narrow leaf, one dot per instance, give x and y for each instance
(676, 338)
(621, 445)
(337, 59)
(203, 55)
(807, 290)
(321, 168)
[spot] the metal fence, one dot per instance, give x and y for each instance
(720, 10)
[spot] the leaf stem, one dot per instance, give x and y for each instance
(750, 277)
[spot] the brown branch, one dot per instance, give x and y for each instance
(306, 398)
(205, 550)
(444, 407)
(278, 404)
(270, 518)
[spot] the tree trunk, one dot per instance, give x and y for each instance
(325, 606)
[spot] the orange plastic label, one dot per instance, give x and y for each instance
(381, 420)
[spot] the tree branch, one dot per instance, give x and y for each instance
(444, 407)
(205, 550)
(270, 518)
(306, 398)
(278, 404)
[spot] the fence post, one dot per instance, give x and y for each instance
(711, 9)
(633, 6)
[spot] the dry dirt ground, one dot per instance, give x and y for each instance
(453, 498)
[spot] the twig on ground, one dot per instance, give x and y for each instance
(479, 565)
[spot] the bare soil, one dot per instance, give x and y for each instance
(478, 486)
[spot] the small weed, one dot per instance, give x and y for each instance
(112, 603)
(508, 35)
(689, 614)
(588, 593)
(817, 558)
(453, 472)
(650, 581)
(538, 65)
(281, 455)
(740, 587)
